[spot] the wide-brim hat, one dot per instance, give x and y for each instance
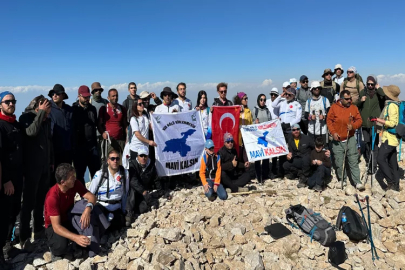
(392, 91)
(326, 71)
(168, 90)
(59, 90)
(339, 66)
(144, 94)
(95, 86)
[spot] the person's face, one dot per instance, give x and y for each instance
(328, 76)
(209, 151)
(293, 85)
(146, 102)
(289, 96)
(132, 90)
(140, 106)
(318, 149)
(338, 72)
(70, 181)
(181, 91)
(84, 100)
(346, 100)
(262, 100)
(97, 92)
(113, 97)
(113, 161)
(143, 159)
(370, 85)
(350, 74)
(316, 91)
(273, 96)
(167, 98)
(8, 105)
(229, 144)
(57, 98)
(203, 99)
(244, 101)
(304, 83)
(222, 92)
(296, 132)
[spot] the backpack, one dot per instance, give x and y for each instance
(267, 110)
(398, 130)
(324, 104)
(354, 227)
(358, 80)
(311, 223)
(105, 177)
(333, 86)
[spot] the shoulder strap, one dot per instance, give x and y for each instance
(124, 179)
(322, 83)
(268, 114)
(358, 86)
(324, 104)
(344, 85)
(104, 177)
(205, 159)
(256, 112)
(334, 86)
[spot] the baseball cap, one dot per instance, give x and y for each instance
(303, 78)
(228, 137)
(84, 91)
(315, 84)
(285, 84)
(209, 144)
(143, 150)
(292, 91)
(293, 80)
(295, 126)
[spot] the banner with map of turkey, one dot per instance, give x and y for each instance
(180, 142)
(265, 140)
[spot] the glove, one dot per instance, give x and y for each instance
(372, 119)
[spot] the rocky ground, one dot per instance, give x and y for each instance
(189, 232)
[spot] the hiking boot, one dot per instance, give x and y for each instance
(290, 176)
(392, 187)
(302, 182)
(243, 189)
(317, 188)
(128, 221)
(360, 187)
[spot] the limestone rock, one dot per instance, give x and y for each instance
(378, 208)
(350, 190)
(254, 261)
(29, 267)
(61, 265)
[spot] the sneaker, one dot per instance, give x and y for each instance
(243, 189)
(360, 187)
(317, 188)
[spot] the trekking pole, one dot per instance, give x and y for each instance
(313, 113)
(370, 232)
(373, 135)
(344, 157)
(320, 125)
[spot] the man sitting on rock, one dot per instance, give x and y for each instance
(144, 178)
(234, 173)
(110, 185)
(320, 165)
(62, 223)
(210, 173)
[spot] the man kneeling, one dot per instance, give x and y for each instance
(111, 185)
(210, 173)
(63, 223)
(320, 165)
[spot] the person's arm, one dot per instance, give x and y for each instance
(135, 181)
(276, 102)
(33, 129)
(62, 231)
(357, 120)
(95, 182)
(218, 172)
(326, 161)
(330, 120)
(393, 117)
(298, 115)
(380, 91)
(203, 168)
(157, 101)
(101, 119)
(85, 218)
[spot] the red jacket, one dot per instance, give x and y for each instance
(338, 119)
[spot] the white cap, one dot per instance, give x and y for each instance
(293, 80)
(339, 66)
(274, 90)
(285, 84)
(315, 84)
(143, 150)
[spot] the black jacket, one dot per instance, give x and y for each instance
(227, 156)
(61, 126)
(38, 146)
(11, 150)
(143, 180)
(305, 146)
(218, 102)
(84, 127)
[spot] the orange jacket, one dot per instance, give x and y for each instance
(338, 119)
(212, 170)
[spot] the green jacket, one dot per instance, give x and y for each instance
(371, 107)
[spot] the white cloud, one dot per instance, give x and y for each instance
(391, 79)
(266, 83)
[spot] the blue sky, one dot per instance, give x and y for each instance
(253, 45)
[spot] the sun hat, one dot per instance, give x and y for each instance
(274, 90)
(392, 91)
(352, 69)
(144, 94)
(228, 137)
(339, 66)
(168, 90)
(95, 86)
(293, 80)
(84, 91)
(59, 90)
(143, 150)
(315, 84)
(327, 71)
(209, 144)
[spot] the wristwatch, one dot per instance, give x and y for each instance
(90, 205)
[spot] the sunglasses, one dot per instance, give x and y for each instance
(289, 95)
(273, 95)
(348, 98)
(165, 94)
(262, 99)
(132, 88)
(370, 84)
(7, 102)
(296, 129)
(245, 98)
(97, 90)
(350, 71)
(143, 156)
(306, 81)
(326, 74)
(211, 149)
(140, 104)
(114, 158)
(223, 92)
(229, 141)
(317, 88)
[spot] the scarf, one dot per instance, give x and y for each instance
(327, 83)
(371, 92)
(10, 119)
(96, 98)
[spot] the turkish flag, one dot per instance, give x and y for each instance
(225, 119)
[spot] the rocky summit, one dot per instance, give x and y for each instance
(191, 233)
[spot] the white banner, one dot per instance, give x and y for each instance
(180, 142)
(263, 141)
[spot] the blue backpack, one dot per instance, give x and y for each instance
(399, 129)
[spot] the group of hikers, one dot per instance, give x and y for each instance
(52, 144)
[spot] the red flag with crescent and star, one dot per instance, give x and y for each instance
(225, 119)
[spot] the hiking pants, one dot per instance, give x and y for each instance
(36, 185)
(60, 157)
(387, 162)
(304, 126)
(234, 182)
(338, 150)
(57, 243)
(10, 208)
(262, 169)
(300, 165)
(221, 192)
(368, 142)
(84, 158)
(324, 137)
(318, 177)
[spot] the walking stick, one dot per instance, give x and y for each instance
(313, 113)
(370, 233)
(320, 126)
(344, 157)
(373, 135)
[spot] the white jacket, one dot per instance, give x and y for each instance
(288, 112)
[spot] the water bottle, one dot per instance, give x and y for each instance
(344, 219)
(110, 216)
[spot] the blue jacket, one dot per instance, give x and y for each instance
(61, 127)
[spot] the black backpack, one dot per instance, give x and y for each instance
(354, 227)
